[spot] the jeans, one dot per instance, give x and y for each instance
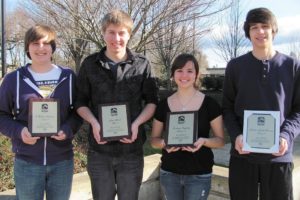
(185, 187)
(33, 180)
(111, 175)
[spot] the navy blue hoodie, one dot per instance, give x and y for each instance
(15, 91)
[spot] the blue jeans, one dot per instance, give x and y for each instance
(185, 187)
(32, 180)
(111, 175)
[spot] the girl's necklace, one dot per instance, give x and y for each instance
(184, 105)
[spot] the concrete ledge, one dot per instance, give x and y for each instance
(219, 185)
(81, 187)
(150, 188)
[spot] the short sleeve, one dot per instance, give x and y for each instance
(161, 111)
(214, 109)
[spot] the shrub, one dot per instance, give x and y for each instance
(80, 149)
(213, 82)
(6, 164)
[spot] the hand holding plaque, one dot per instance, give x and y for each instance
(181, 128)
(261, 131)
(43, 117)
(114, 121)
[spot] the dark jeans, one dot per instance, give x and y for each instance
(112, 175)
(269, 181)
(32, 180)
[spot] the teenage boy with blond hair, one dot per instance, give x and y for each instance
(116, 75)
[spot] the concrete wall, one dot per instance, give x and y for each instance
(150, 189)
(219, 185)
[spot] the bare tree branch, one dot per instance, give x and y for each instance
(78, 23)
(230, 41)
